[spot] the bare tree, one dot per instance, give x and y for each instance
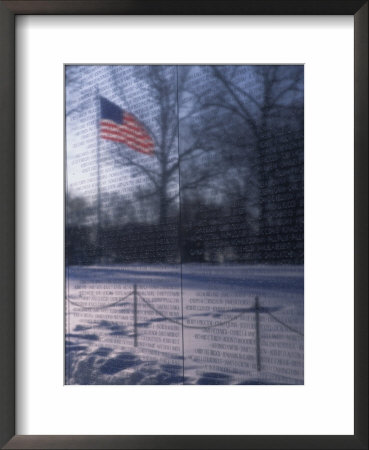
(157, 84)
(215, 128)
(163, 88)
(255, 103)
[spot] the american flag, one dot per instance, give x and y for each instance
(121, 126)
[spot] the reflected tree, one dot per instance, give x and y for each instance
(258, 117)
(228, 148)
(158, 86)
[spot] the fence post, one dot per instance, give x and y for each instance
(135, 314)
(258, 365)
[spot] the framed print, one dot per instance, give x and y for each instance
(191, 210)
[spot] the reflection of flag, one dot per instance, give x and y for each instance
(120, 126)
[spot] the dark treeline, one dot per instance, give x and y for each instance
(227, 180)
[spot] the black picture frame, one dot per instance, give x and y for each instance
(8, 11)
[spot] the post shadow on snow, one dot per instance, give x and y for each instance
(102, 351)
(82, 328)
(145, 372)
(170, 374)
(114, 328)
(213, 378)
(123, 361)
(89, 337)
(92, 370)
(151, 321)
(119, 330)
(261, 382)
(152, 373)
(83, 371)
(73, 347)
(85, 367)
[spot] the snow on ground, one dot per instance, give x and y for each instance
(216, 342)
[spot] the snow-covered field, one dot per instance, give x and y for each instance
(226, 335)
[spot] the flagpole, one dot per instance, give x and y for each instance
(98, 114)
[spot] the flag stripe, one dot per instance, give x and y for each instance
(138, 149)
(136, 143)
(108, 123)
(126, 133)
(129, 142)
(130, 136)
